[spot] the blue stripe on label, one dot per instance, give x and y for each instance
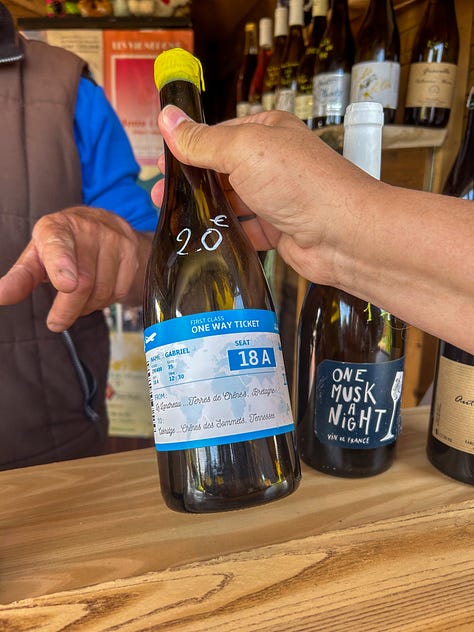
(202, 443)
(232, 321)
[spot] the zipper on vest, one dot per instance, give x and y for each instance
(86, 379)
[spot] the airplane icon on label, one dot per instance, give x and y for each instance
(150, 338)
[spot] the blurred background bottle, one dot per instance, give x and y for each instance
(350, 354)
(432, 73)
(376, 69)
(272, 71)
(305, 72)
(332, 69)
(265, 41)
(247, 69)
(294, 51)
(450, 446)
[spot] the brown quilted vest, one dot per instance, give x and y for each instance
(45, 410)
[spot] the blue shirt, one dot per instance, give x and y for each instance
(109, 169)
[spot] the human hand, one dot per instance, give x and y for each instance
(91, 256)
(277, 169)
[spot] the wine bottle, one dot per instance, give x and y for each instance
(432, 73)
(350, 354)
(450, 446)
(332, 69)
(376, 69)
(220, 404)
(265, 41)
(305, 72)
(294, 50)
(247, 69)
(272, 71)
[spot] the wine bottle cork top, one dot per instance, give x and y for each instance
(178, 64)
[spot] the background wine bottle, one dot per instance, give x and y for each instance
(265, 42)
(332, 68)
(272, 71)
(294, 51)
(220, 404)
(376, 69)
(305, 72)
(432, 73)
(247, 69)
(450, 446)
(350, 354)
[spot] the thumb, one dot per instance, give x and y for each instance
(192, 143)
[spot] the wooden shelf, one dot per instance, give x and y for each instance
(393, 136)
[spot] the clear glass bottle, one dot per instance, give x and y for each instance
(220, 403)
(350, 354)
(305, 72)
(376, 69)
(450, 446)
(294, 51)
(432, 73)
(332, 68)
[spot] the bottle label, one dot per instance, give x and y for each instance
(304, 106)
(216, 378)
(285, 100)
(358, 404)
(453, 404)
(331, 93)
(376, 81)
(430, 85)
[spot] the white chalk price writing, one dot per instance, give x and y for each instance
(210, 239)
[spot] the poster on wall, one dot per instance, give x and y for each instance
(128, 81)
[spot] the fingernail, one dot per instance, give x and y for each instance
(171, 117)
(69, 274)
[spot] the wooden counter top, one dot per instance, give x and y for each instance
(89, 545)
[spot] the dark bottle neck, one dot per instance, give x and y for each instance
(184, 95)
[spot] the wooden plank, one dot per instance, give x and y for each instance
(70, 525)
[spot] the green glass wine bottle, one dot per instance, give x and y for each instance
(220, 403)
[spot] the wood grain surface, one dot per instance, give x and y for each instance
(89, 545)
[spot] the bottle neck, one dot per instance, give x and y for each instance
(362, 145)
(186, 96)
(339, 11)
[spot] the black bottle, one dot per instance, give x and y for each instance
(450, 446)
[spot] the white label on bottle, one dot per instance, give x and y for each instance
(430, 85)
(285, 100)
(453, 419)
(242, 108)
(376, 81)
(304, 106)
(331, 93)
(216, 378)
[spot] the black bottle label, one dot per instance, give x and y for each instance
(358, 404)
